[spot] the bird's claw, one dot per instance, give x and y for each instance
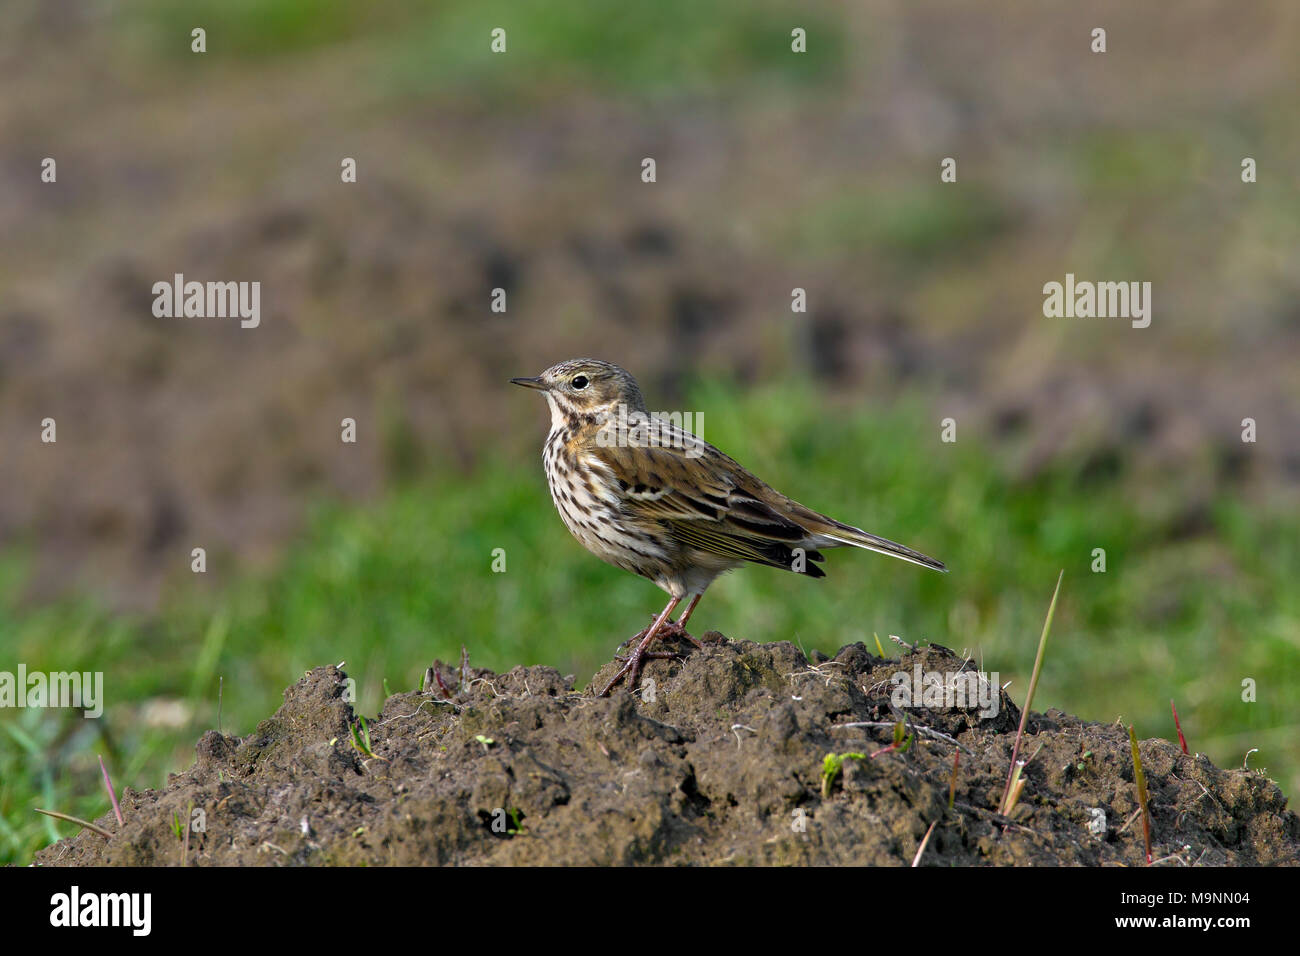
(631, 669)
(633, 662)
(673, 629)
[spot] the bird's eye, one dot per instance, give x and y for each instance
(579, 381)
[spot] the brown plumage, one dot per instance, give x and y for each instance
(651, 498)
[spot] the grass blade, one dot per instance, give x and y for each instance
(1005, 807)
(916, 860)
(1182, 741)
(77, 820)
(108, 785)
(1142, 790)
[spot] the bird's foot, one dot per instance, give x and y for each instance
(633, 662)
(633, 640)
(669, 629)
(673, 629)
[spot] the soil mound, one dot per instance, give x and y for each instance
(722, 760)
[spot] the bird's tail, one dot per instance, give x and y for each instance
(830, 532)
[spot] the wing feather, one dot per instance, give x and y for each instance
(704, 500)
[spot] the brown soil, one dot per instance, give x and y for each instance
(720, 767)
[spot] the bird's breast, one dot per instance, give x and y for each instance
(587, 498)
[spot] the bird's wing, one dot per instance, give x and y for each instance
(704, 499)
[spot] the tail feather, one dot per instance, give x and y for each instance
(840, 533)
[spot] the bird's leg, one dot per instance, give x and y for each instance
(677, 628)
(632, 668)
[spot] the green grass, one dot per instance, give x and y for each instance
(391, 586)
(667, 48)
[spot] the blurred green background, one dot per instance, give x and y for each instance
(522, 171)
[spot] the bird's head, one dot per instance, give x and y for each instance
(582, 388)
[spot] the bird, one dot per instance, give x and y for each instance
(646, 495)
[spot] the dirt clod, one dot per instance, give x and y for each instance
(720, 757)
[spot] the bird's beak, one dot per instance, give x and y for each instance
(529, 383)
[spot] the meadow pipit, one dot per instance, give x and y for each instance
(650, 497)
